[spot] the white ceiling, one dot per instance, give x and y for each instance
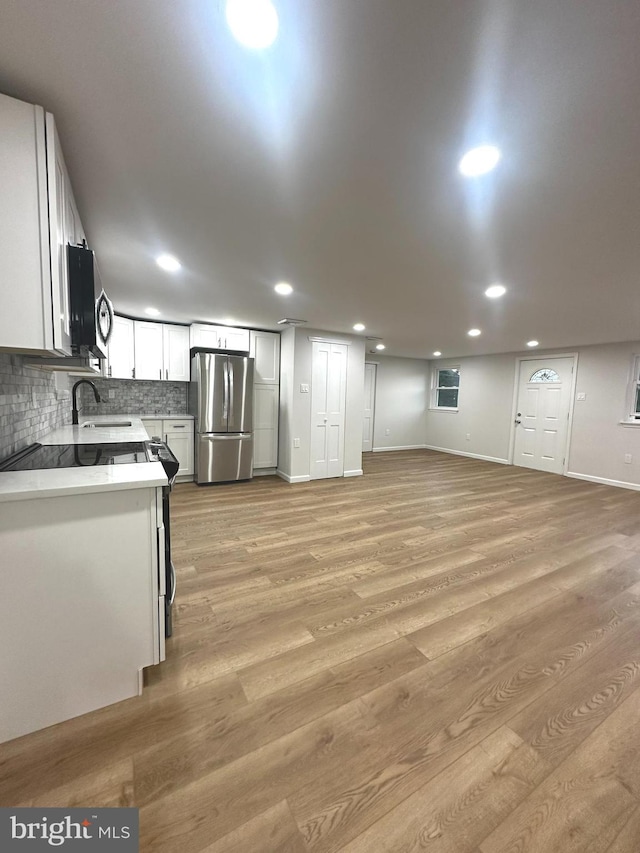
(329, 161)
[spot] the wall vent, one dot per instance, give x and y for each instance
(288, 321)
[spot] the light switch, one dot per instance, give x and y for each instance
(581, 396)
(304, 388)
(296, 442)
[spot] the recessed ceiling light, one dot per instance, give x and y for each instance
(254, 23)
(168, 263)
(437, 353)
(152, 312)
(283, 288)
(359, 327)
(479, 161)
(495, 291)
(532, 343)
(380, 346)
(474, 333)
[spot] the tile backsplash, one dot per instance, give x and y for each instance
(32, 403)
(135, 397)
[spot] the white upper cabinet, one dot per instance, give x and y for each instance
(149, 357)
(120, 354)
(219, 337)
(176, 353)
(265, 350)
(38, 217)
(141, 350)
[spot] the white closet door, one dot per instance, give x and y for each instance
(328, 403)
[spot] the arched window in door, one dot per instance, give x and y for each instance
(545, 375)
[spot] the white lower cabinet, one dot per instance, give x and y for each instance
(96, 618)
(178, 434)
(265, 425)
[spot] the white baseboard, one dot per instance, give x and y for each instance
(263, 472)
(604, 481)
(357, 472)
(302, 478)
(470, 455)
(407, 447)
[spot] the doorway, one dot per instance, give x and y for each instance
(369, 406)
(328, 404)
(544, 393)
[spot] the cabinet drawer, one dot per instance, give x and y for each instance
(178, 426)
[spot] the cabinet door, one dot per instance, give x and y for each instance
(153, 427)
(234, 339)
(179, 436)
(265, 429)
(204, 335)
(59, 190)
(120, 357)
(149, 360)
(265, 350)
(176, 353)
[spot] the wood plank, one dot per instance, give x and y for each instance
(461, 805)
(587, 800)
(273, 831)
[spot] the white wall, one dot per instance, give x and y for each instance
(402, 386)
(598, 441)
(287, 364)
(295, 408)
(485, 406)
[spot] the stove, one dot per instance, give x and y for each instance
(40, 456)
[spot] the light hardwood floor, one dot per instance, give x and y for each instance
(442, 655)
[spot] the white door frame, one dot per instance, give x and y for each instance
(374, 364)
(516, 390)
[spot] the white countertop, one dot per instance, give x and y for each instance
(55, 482)
(99, 435)
(164, 417)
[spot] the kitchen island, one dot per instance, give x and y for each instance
(82, 609)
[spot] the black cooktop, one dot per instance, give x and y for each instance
(39, 456)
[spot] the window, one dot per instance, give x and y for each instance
(446, 385)
(634, 391)
(545, 375)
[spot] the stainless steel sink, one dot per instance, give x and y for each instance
(106, 424)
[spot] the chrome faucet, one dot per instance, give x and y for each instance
(74, 397)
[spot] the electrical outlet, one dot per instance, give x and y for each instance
(387, 432)
(112, 394)
(468, 436)
(304, 388)
(627, 458)
(581, 396)
(296, 442)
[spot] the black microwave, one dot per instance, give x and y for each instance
(91, 314)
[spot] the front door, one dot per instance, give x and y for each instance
(369, 402)
(542, 414)
(328, 403)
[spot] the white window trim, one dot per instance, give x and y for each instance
(433, 407)
(630, 418)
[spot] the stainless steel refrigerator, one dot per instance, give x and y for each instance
(221, 401)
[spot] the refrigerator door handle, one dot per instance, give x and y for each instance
(230, 378)
(225, 395)
(224, 436)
